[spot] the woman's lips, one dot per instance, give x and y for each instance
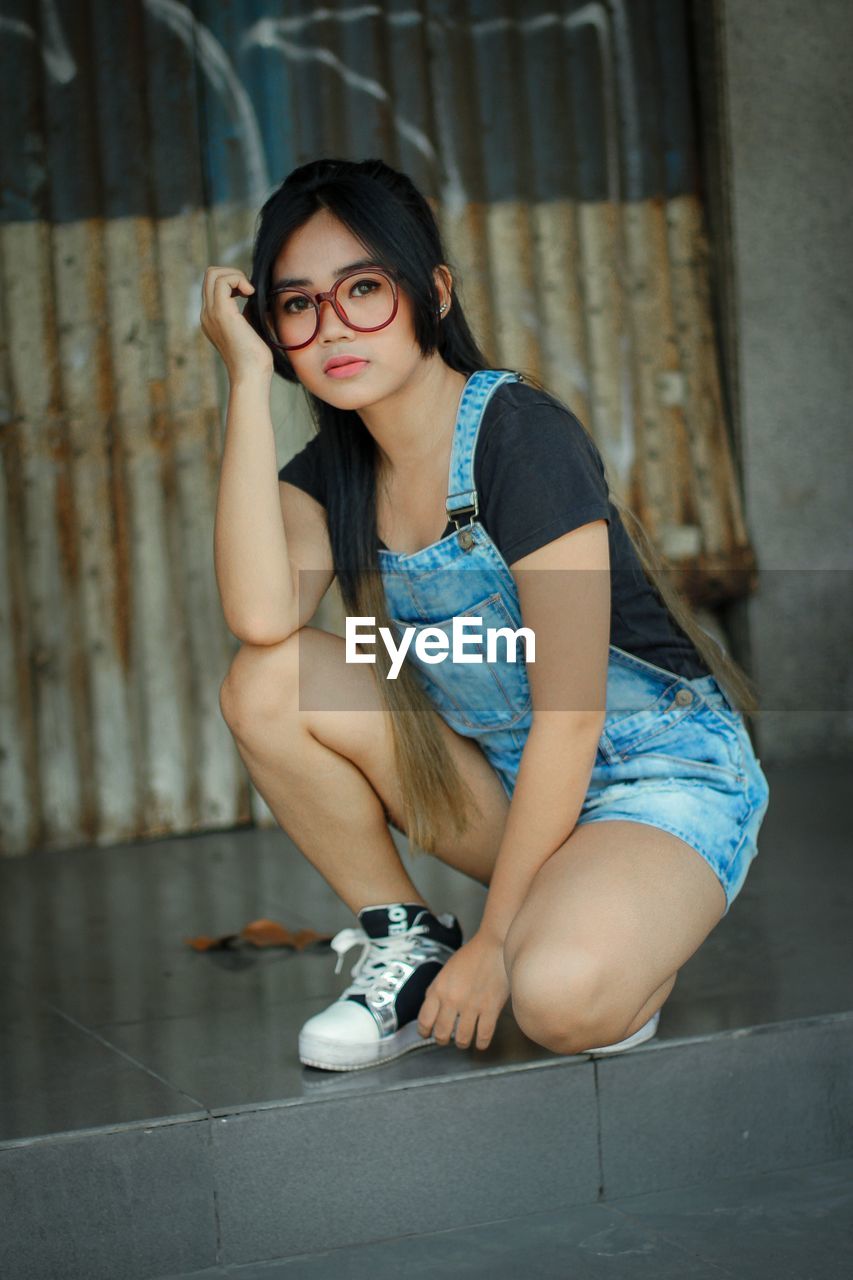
(347, 370)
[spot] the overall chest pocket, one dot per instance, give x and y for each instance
(473, 696)
(679, 738)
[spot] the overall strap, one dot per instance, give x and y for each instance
(461, 494)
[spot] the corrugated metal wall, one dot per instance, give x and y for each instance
(558, 142)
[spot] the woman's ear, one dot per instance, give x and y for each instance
(444, 286)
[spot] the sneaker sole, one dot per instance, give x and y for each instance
(645, 1032)
(329, 1056)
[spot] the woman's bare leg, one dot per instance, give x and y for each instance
(328, 775)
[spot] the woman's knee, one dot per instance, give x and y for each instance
(259, 684)
(565, 1002)
(302, 677)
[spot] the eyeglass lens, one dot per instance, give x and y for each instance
(364, 301)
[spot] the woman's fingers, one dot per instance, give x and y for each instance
(439, 1020)
(444, 1024)
(464, 1033)
(428, 1012)
(221, 320)
(230, 284)
(485, 1030)
(470, 990)
(219, 283)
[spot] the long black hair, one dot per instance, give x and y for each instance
(388, 214)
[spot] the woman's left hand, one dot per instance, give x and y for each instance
(471, 985)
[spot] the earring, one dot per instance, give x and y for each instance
(441, 309)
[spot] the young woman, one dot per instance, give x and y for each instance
(603, 785)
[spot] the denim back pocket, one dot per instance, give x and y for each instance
(474, 696)
(674, 736)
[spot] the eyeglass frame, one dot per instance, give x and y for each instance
(330, 296)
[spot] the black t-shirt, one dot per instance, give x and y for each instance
(538, 475)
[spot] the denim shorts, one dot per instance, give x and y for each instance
(675, 754)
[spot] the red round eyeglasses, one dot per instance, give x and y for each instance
(365, 300)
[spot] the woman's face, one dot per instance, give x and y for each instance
(316, 253)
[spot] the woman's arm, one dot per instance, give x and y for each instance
(250, 544)
(265, 531)
(253, 571)
(564, 589)
(273, 566)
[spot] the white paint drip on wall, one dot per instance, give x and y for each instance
(595, 16)
(404, 18)
(217, 67)
(627, 104)
(266, 34)
(453, 195)
(58, 61)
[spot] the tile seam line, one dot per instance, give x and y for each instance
(233, 1268)
(477, 1076)
(103, 1131)
(122, 1053)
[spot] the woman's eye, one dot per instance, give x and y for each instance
(367, 285)
(292, 306)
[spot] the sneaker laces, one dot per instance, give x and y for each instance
(374, 968)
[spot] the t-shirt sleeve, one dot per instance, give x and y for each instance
(304, 471)
(540, 476)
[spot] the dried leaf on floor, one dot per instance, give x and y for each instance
(261, 933)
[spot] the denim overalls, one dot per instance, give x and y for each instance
(674, 753)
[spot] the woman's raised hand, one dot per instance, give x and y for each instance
(224, 325)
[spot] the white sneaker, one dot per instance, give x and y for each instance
(375, 1018)
(645, 1032)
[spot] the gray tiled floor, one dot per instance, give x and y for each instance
(109, 1015)
(796, 1224)
(111, 1020)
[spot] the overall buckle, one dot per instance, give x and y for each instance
(473, 508)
